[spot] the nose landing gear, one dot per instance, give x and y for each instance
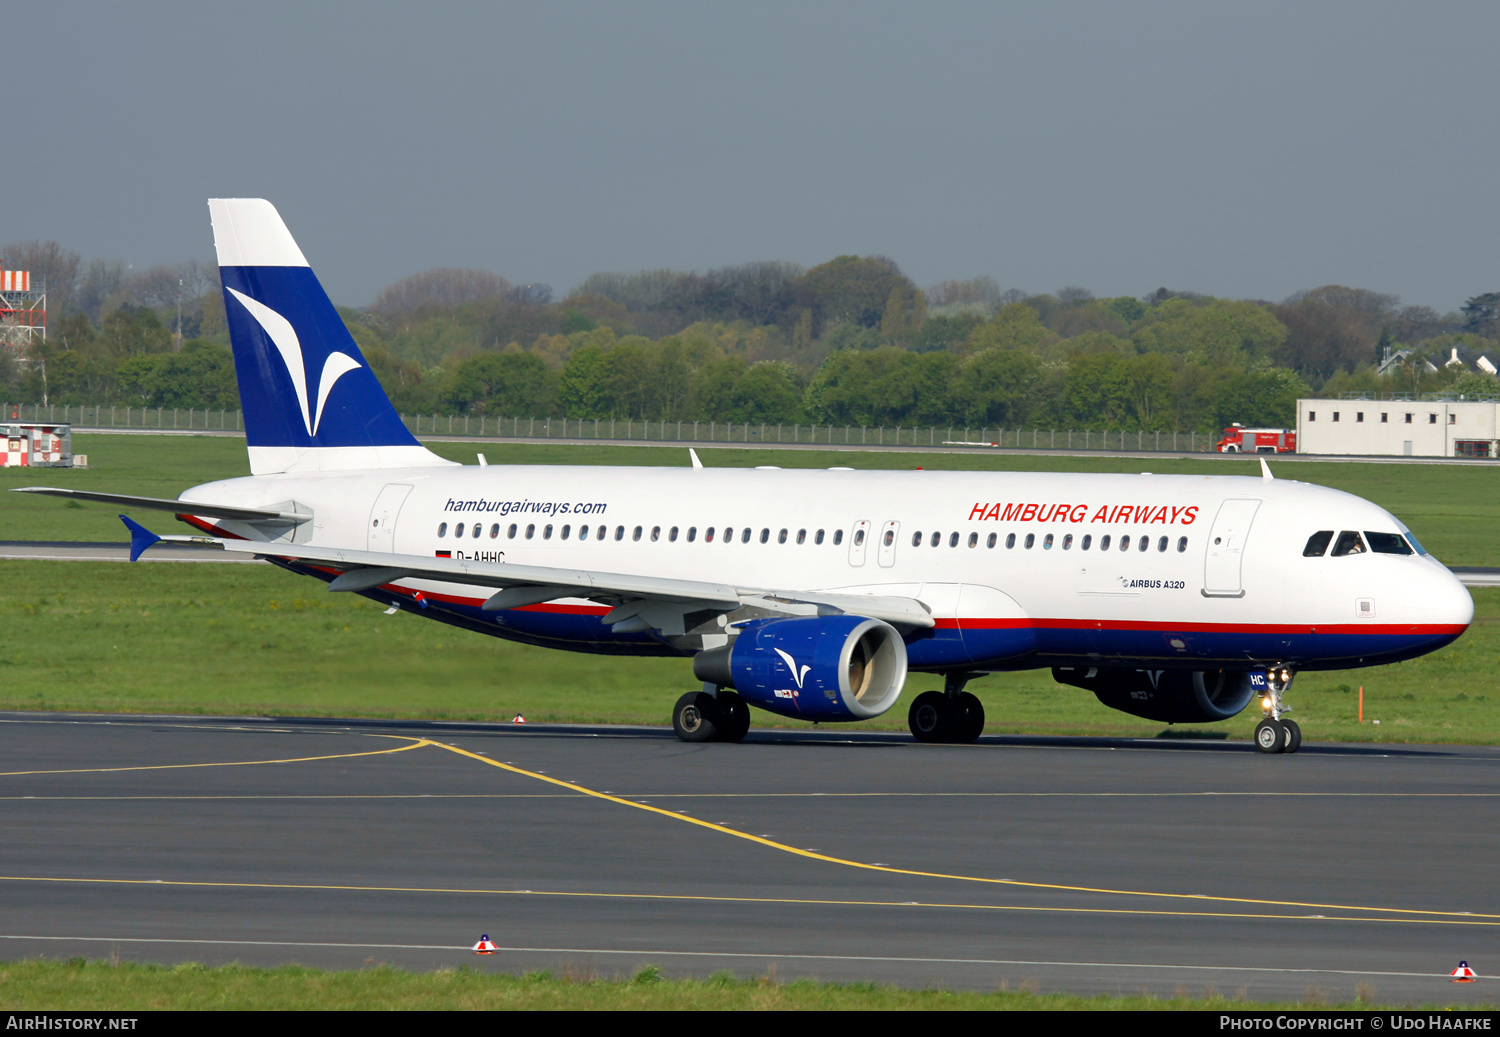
(1275, 734)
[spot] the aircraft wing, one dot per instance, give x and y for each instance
(645, 602)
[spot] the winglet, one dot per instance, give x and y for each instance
(694, 455)
(140, 538)
(1265, 470)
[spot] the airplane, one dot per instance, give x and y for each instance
(805, 593)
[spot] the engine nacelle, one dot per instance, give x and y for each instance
(1171, 696)
(825, 668)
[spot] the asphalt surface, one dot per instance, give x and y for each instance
(1122, 865)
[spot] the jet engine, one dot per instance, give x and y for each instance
(1172, 696)
(826, 668)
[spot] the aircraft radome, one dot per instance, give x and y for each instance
(809, 594)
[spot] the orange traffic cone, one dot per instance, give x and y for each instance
(519, 719)
(484, 946)
(1463, 974)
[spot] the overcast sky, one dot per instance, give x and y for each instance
(1246, 150)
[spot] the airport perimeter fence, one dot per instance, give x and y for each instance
(618, 429)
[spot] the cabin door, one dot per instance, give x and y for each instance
(1226, 547)
(382, 528)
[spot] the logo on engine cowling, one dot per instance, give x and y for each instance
(791, 664)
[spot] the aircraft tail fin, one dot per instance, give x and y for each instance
(310, 400)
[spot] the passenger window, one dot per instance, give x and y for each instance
(1387, 543)
(745, 536)
(566, 532)
(655, 534)
(1068, 542)
(1088, 541)
(1030, 539)
(547, 532)
(952, 539)
(1125, 543)
(937, 539)
(973, 539)
(781, 537)
(672, 536)
(636, 534)
(765, 536)
(890, 537)
(838, 537)
(510, 534)
(1317, 544)
(1161, 545)
(1104, 542)
(1181, 544)
(583, 532)
(708, 535)
(1349, 544)
(692, 533)
(859, 537)
(991, 541)
(1047, 542)
(478, 530)
(1010, 541)
(530, 531)
(916, 540)
(801, 535)
(494, 531)
(1144, 545)
(619, 532)
(819, 538)
(442, 529)
(458, 530)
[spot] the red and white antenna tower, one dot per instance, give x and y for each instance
(23, 312)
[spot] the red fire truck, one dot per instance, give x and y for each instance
(1238, 439)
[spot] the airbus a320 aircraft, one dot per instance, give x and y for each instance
(808, 594)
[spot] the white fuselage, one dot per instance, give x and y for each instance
(1214, 569)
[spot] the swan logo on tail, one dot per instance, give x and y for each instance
(281, 333)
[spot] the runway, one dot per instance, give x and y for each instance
(1087, 865)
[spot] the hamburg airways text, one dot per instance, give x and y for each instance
(1139, 514)
(526, 507)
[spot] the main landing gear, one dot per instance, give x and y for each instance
(711, 715)
(1274, 734)
(951, 715)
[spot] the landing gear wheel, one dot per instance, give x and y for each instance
(1270, 736)
(1293, 736)
(969, 724)
(695, 718)
(930, 717)
(734, 717)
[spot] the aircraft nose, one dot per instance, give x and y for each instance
(1440, 599)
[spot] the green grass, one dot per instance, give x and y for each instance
(79, 985)
(249, 639)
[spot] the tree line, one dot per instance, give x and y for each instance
(849, 342)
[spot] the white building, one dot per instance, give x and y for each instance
(1410, 428)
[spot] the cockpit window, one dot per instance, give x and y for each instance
(1416, 545)
(1317, 544)
(1387, 543)
(1349, 544)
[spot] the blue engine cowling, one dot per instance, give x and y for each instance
(1172, 696)
(825, 668)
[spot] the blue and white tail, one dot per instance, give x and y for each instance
(310, 400)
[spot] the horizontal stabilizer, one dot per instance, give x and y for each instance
(176, 507)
